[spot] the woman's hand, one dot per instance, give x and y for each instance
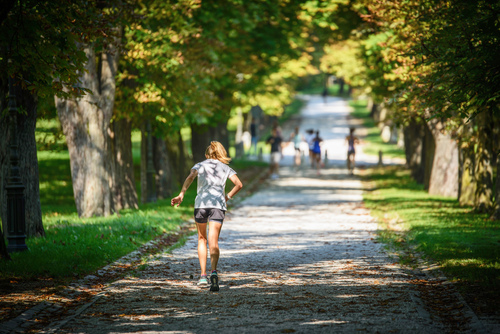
(177, 200)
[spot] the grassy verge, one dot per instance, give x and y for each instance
(414, 224)
(463, 243)
(374, 142)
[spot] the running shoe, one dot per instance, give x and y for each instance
(214, 281)
(203, 280)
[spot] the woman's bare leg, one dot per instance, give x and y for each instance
(213, 243)
(202, 247)
(318, 163)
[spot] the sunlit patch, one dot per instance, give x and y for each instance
(324, 322)
(348, 296)
(140, 317)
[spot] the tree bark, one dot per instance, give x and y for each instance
(85, 123)
(3, 248)
(467, 179)
(148, 186)
(414, 135)
(164, 177)
(124, 192)
(28, 161)
(176, 152)
(444, 175)
(496, 210)
(341, 85)
(222, 134)
(373, 109)
(201, 136)
(484, 160)
(428, 156)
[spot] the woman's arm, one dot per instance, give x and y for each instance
(178, 200)
(237, 186)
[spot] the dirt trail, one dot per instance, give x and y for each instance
(298, 256)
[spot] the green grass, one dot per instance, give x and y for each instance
(73, 246)
(49, 135)
(465, 244)
(373, 139)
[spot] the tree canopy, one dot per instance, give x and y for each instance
(190, 61)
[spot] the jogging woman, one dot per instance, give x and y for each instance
(210, 205)
(317, 140)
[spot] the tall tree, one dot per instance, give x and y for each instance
(38, 50)
(442, 56)
(24, 129)
(123, 180)
(86, 123)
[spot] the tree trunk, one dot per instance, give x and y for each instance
(4, 255)
(164, 177)
(428, 156)
(124, 192)
(201, 136)
(373, 109)
(28, 162)
(148, 186)
(444, 175)
(178, 157)
(467, 179)
(484, 160)
(496, 211)
(414, 135)
(222, 134)
(341, 86)
(85, 123)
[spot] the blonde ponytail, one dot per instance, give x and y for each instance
(217, 151)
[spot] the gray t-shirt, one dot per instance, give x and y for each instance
(212, 177)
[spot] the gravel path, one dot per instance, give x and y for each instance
(299, 256)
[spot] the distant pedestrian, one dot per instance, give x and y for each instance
(277, 126)
(254, 133)
(325, 94)
(279, 133)
(310, 143)
(210, 205)
(351, 141)
(296, 138)
(317, 151)
(276, 141)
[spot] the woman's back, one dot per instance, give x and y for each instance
(212, 177)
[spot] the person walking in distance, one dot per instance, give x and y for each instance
(317, 140)
(275, 140)
(310, 142)
(351, 141)
(254, 129)
(297, 139)
(210, 205)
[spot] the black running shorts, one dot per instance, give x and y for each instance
(202, 216)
